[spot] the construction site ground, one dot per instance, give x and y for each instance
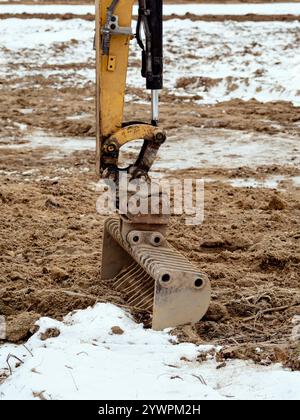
(238, 132)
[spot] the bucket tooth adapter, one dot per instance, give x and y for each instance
(151, 275)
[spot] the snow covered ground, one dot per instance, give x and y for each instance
(240, 59)
(179, 9)
(90, 359)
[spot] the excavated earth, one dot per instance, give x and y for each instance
(51, 234)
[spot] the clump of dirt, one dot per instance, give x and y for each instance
(276, 203)
(51, 203)
(216, 312)
(22, 325)
(117, 330)
(58, 274)
(49, 333)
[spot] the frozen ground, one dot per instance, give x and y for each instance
(243, 59)
(226, 148)
(201, 148)
(179, 9)
(88, 360)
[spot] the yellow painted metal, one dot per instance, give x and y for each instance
(111, 82)
(133, 132)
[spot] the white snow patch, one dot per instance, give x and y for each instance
(279, 182)
(248, 59)
(296, 181)
(26, 111)
(60, 145)
(88, 361)
(270, 182)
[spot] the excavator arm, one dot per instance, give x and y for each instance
(113, 34)
(145, 268)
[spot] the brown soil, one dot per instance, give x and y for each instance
(51, 253)
(52, 106)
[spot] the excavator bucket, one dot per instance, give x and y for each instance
(153, 276)
(149, 273)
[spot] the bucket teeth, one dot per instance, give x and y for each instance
(137, 286)
(154, 276)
